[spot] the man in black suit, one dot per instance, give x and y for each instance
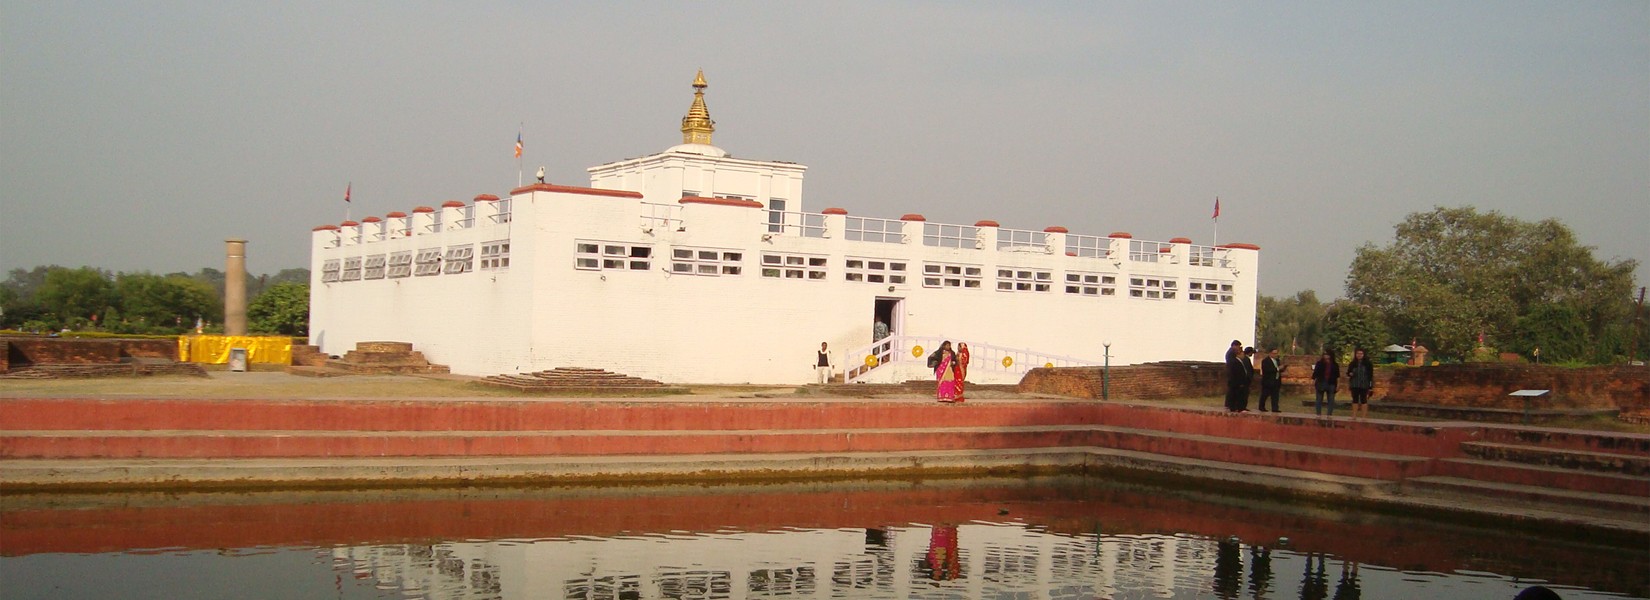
(1271, 379)
(1237, 377)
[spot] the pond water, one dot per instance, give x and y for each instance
(1048, 537)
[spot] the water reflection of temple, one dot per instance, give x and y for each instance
(994, 560)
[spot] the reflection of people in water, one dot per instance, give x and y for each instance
(1228, 568)
(942, 563)
(1315, 583)
(1260, 571)
(1348, 588)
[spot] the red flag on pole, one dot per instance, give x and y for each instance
(1217, 208)
(351, 185)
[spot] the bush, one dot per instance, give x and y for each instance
(1483, 354)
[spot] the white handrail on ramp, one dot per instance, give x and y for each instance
(866, 362)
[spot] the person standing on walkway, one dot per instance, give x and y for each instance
(945, 377)
(1360, 376)
(1271, 380)
(961, 369)
(823, 365)
(1326, 375)
(1235, 374)
(1248, 378)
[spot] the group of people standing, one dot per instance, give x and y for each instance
(1326, 374)
(950, 371)
(1360, 378)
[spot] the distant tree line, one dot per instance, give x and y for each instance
(1468, 284)
(53, 298)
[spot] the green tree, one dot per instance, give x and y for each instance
(282, 309)
(72, 296)
(171, 303)
(1349, 325)
(1557, 329)
(1293, 325)
(1452, 274)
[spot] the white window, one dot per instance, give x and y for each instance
(495, 255)
(950, 236)
(776, 215)
(374, 267)
(793, 266)
(1204, 256)
(709, 262)
(1209, 292)
(1024, 280)
(1091, 284)
(1143, 251)
(887, 231)
(329, 271)
(428, 262)
(400, 264)
(875, 270)
(1088, 246)
(460, 259)
(1152, 288)
(501, 211)
(1020, 238)
(352, 269)
(952, 275)
(610, 256)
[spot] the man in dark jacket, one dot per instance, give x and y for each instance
(1237, 377)
(1271, 380)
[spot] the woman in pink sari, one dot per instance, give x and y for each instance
(961, 369)
(944, 373)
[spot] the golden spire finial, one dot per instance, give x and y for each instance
(697, 126)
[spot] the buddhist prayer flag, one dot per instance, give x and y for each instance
(347, 187)
(518, 144)
(1217, 208)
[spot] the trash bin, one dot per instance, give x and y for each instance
(237, 359)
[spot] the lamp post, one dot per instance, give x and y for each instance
(1105, 376)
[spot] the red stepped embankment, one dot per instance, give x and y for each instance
(1524, 464)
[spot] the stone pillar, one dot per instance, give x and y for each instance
(234, 288)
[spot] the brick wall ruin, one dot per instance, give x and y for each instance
(1487, 386)
(21, 352)
(1470, 385)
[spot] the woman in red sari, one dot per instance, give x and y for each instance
(945, 374)
(961, 368)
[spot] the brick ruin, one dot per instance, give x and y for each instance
(1480, 386)
(37, 357)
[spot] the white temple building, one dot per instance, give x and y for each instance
(693, 266)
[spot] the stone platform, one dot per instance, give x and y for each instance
(1568, 477)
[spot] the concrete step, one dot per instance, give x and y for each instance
(1371, 465)
(1542, 476)
(1636, 444)
(533, 414)
(310, 444)
(1600, 462)
(1455, 486)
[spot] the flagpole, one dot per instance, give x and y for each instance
(1217, 223)
(522, 126)
(347, 188)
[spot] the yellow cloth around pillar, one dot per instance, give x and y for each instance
(214, 349)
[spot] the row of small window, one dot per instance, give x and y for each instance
(719, 262)
(452, 260)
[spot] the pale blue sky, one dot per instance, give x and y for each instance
(140, 135)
